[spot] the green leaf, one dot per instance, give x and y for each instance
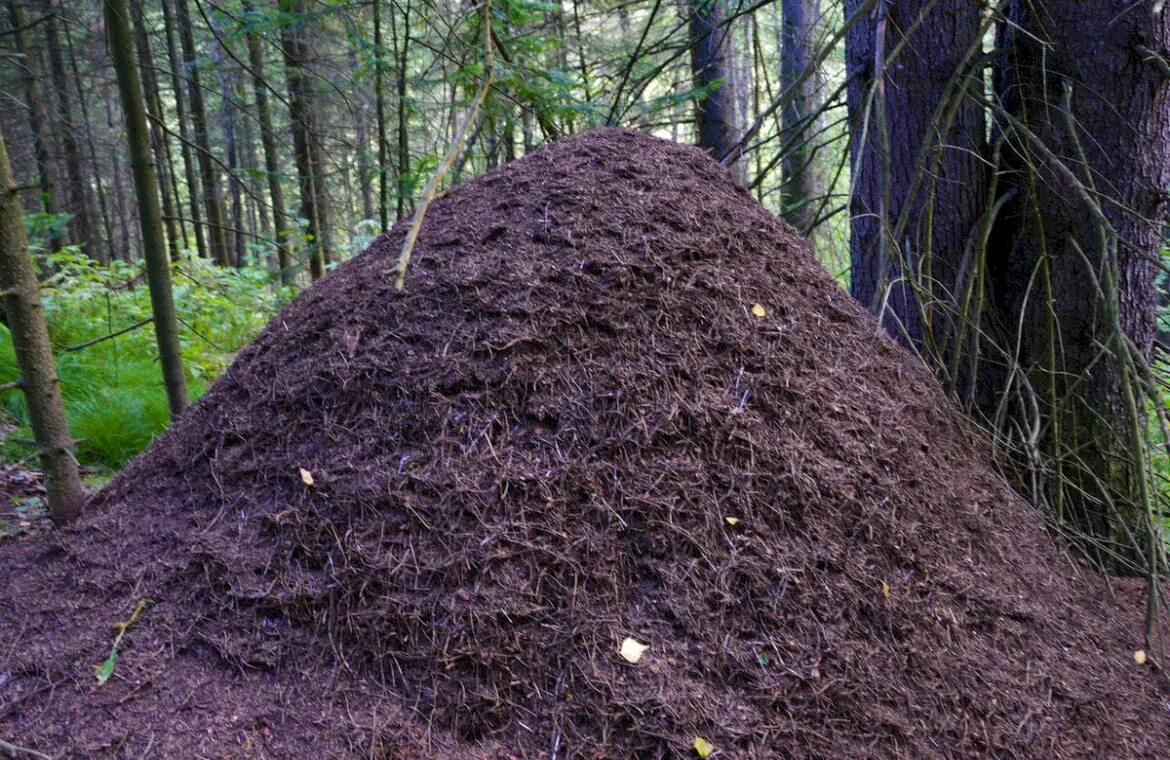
(106, 669)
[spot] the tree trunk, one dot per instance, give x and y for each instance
(271, 159)
(402, 168)
(797, 42)
(107, 239)
(919, 176)
(711, 72)
(158, 138)
(146, 191)
(192, 179)
(81, 225)
(36, 117)
(21, 299)
(208, 176)
(380, 113)
(1097, 110)
(302, 131)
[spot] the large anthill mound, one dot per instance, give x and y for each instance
(576, 426)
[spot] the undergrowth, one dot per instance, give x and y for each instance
(113, 391)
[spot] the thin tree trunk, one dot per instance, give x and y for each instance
(146, 189)
(158, 138)
(36, 117)
(711, 71)
(21, 299)
(107, 241)
(402, 47)
(192, 179)
(796, 57)
(81, 225)
(291, 37)
(271, 160)
(380, 111)
(208, 176)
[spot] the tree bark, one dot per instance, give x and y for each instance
(711, 72)
(919, 178)
(36, 117)
(797, 41)
(208, 176)
(380, 115)
(185, 142)
(271, 159)
(146, 190)
(304, 140)
(30, 340)
(1100, 108)
(81, 225)
(158, 138)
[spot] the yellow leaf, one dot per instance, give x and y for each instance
(632, 650)
(733, 521)
(703, 747)
(1140, 657)
(306, 476)
(885, 590)
(758, 310)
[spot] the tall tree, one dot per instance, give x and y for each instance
(158, 138)
(185, 141)
(1025, 267)
(260, 87)
(146, 190)
(305, 146)
(919, 175)
(208, 176)
(38, 123)
(79, 198)
(711, 72)
(1087, 134)
(20, 296)
(797, 44)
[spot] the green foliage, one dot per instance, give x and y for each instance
(114, 396)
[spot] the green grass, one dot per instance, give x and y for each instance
(113, 391)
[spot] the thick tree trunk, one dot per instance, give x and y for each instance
(190, 176)
(711, 72)
(1088, 139)
(208, 176)
(919, 176)
(146, 191)
(271, 159)
(21, 299)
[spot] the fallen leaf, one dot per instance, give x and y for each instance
(703, 747)
(885, 590)
(106, 668)
(1140, 657)
(733, 521)
(758, 310)
(632, 650)
(306, 476)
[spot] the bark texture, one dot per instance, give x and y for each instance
(919, 177)
(146, 191)
(1088, 110)
(30, 340)
(711, 73)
